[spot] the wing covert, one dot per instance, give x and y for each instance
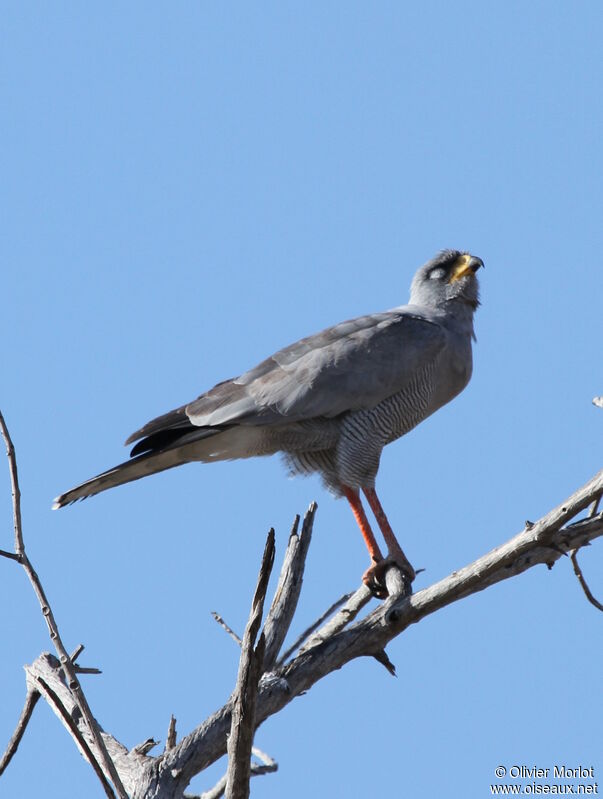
(350, 366)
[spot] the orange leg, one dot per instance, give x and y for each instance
(393, 547)
(353, 497)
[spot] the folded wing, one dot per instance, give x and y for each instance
(353, 365)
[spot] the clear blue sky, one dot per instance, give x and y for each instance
(186, 188)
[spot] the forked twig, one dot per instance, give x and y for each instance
(311, 629)
(327, 651)
(225, 626)
(289, 587)
(72, 726)
(321, 651)
(10, 555)
(243, 725)
(352, 607)
(66, 663)
(582, 581)
(592, 512)
(31, 700)
(268, 766)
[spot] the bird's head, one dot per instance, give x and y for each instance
(448, 278)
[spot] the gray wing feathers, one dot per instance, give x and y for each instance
(351, 366)
(170, 420)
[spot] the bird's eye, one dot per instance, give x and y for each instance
(436, 274)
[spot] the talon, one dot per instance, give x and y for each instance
(374, 576)
(374, 579)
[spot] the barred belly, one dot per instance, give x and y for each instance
(364, 433)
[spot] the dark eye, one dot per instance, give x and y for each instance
(437, 273)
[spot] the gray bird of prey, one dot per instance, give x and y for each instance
(330, 402)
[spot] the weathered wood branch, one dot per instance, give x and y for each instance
(267, 766)
(242, 728)
(31, 699)
(170, 741)
(288, 589)
(325, 647)
(46, 676)
(69, 669)
(541, 543)
(587, 592)
(305, 636)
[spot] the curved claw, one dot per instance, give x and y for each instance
(374, 579)
(374, 576)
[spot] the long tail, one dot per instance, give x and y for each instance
(166, 449)
(134, 469)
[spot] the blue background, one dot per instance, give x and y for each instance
(188, 187)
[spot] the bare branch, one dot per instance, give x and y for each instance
(383, 658)
(268, 766)
(594, 507)
(76, 652)
(31, 699)
(397, 584)
(47, 676)
(14, 481)
(64, 657)
(312, 628)
(170, 741)
(214, 793)
(225, 626)
(243, 724)
(361, 597)
(53, 700)
(324, 649)
(11, 555)
(288, 589)
(82, 669)
(86, 670)
(544, 542)
(582, 581)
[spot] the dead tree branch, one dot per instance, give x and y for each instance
(289, 587)
(268, 679)
(31, 699)
(170, 741)
(46, 675)
(594, 507)
(242, 726)
(313, 627)
(226, 627)
(66, 663)
(543, 542)
(578, 572)
(267, 766)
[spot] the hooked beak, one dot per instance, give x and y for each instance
(466, 265)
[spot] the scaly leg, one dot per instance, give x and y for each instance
(394, 550)
(370, 577)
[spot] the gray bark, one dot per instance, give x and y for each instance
(266, 683)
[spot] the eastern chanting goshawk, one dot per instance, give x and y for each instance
(330, 402)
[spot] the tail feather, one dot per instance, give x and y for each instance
(126, 472)
(167, 450)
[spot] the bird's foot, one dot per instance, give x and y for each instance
(375, 576)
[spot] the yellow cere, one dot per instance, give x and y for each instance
(461, 269)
